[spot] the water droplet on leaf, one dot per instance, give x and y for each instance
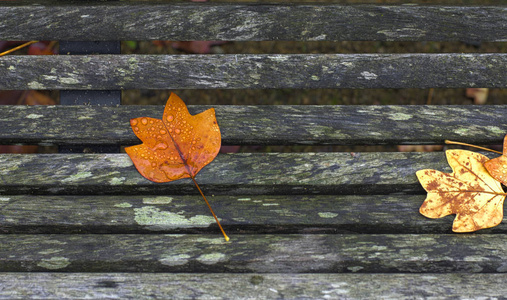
(161, 146)
(169, 153)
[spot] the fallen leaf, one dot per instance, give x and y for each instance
(176, 147)
(480, 95)
(42, 48)
(34, 47)
(37, 98)
(229, 149)
(17, 48)
(497, 167)
(199, 47)
(469, 192)
(419, 148)
(19, 149)
(24, 97)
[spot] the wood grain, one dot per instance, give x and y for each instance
(263, 253)
(253, 71)
(141, 20)
(265, 125)
(232, 174)
(89, 226)
(248, 286)
(362, 214)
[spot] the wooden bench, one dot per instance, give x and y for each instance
(302, 225)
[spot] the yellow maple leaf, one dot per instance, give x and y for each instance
(497, 167)
(469, 192)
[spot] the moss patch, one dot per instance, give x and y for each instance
(54, 263)
(159, 220)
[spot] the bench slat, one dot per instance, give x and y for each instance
(248, 286)
(239, 22)
(246, 214)
(265, 125)
(264, 253)
(240, 71)
(233, 174)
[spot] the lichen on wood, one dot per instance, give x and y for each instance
(254, 253)
(362, 214)
(254, 71)
(134, 20)
(265, 125)
(250, 286)
(233, 174)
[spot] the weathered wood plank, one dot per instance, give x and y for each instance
(314, 253)
(240, 71)
(231, 174)
(130, 20)
(265, 125)
(248, 286)
(238, 214)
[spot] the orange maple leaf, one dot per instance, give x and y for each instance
(469, 192)
(178, 146)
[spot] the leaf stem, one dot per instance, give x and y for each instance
(209, 206)
(470, 145)
(17, 48)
